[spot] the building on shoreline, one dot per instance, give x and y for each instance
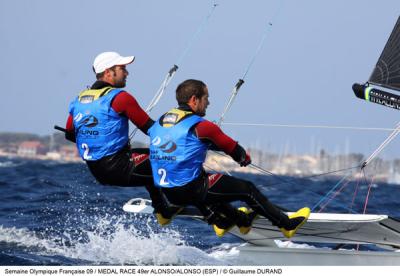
(31, 149)
(280, 164)
(34, 149)
(387, 171)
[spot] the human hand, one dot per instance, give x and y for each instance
(246, 161)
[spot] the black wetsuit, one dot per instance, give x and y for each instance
(209, 198)
(218, 190)
(128, 168)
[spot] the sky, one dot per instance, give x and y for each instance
(312, 54)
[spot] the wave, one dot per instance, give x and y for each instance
(124, 245)
(8, 164)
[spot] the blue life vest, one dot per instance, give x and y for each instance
(176, 154)
(99, 130)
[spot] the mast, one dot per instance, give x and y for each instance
(51, 145)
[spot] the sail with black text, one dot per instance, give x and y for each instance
(383, 87)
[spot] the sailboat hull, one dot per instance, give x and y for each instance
(263, 244)
(260, 255)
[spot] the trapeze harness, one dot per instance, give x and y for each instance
(99, 130)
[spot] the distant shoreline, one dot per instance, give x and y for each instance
(388, 172)
(41, 157)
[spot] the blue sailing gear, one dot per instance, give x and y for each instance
(99, 130)
(176, 154)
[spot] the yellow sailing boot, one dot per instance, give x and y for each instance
(297, 220)
(222, 224)
(164, 217)
(220, 232)
(252, 216)
(161, 220)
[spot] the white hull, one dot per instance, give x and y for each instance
(261, 255)
(332, 228)
(261, 248)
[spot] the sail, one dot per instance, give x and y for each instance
(383, 86)
(387, 69)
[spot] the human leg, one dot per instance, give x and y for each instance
(141, 172)
(130, 168)
(220, 214)
(224, 217)
(228, 189)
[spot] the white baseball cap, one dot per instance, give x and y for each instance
(109, 59)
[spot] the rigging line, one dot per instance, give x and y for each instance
(222, 166)
(356, 190)
(234, 93)
(334, 196)
(210, 168)
(367, 196)
(339, 201)
(331, 172)
(383, 145)
(258, 168)
(266, 172)
(330, 191)
(195, 36)
(171, 73)
(158, 95)
(369, 189)
(267, 28)
(373, 155)
(308, 126)
(263, 171)
(240, 82)
(269, 173)
(282, 179)
(266, 31)
(162, 88)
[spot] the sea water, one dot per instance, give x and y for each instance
(57, 214)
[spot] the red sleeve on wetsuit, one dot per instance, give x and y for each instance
(209, 131)
(127, 104)
(69, 129)
(69, 125)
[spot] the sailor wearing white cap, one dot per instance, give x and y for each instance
(98, 123)
(107, 60)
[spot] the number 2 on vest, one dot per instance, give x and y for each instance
(86, 155)
(163, 174)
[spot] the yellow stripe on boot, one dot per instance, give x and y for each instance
(220, 232)
(303, 212)
(246, 229)
(163, 221)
